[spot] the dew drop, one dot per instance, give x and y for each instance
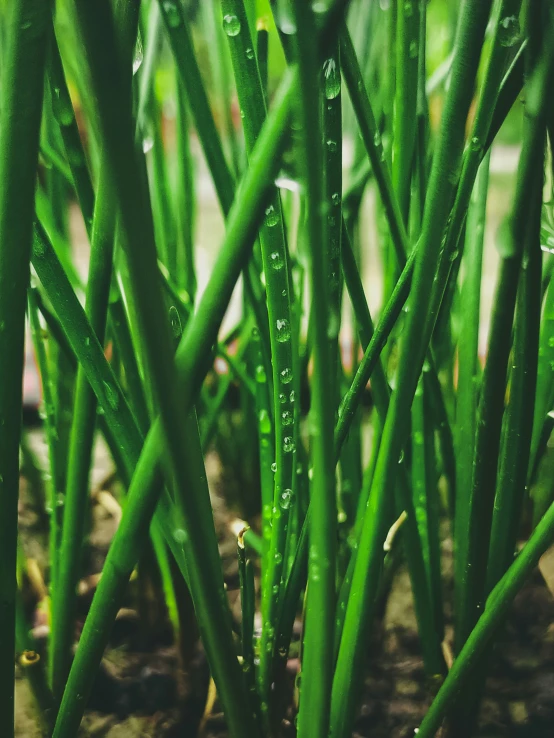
(278, 558)
(231, 25)
(335, 198)
(286, 418)
(179, 535)
(283, 330)
(271, 217)
(147, 144)
(137, 59)
(285, 499)
(288, 444)
(292, 397)
(282, 398)
(413, 49)
(175, 322)
(274, 467)
(331, 145)
(332, 79)
(276, 261)
(249, 53)
(260, 374)
(286, 376)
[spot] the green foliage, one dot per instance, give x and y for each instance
(296, 110)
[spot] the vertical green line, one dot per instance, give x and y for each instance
(81, 440)
(22, 90)
(320, 606)
(518, 429)
(468, 367)
(405, 99)
(332, 142)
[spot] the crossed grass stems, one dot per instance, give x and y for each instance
(432, 193)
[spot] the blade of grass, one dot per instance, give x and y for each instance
(185, 198)
(468, 368)
(517, 434)
(317, 657)
(65, 117)
(404, 117)
(332, 141)
(81, 440)
(22, 87)
(52, 438)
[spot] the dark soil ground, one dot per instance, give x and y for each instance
(143, 691)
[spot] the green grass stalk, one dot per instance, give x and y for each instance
(317, 658)
(20, 116)
(468, 367)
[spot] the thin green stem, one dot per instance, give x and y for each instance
(468, 366)
(317, 662)
(517, 434)
(22, 90)
(81, 441)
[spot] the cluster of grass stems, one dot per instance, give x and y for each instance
(446, 447)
